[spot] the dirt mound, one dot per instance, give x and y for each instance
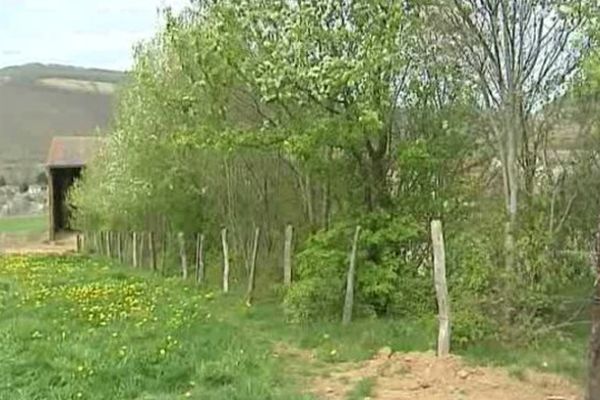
(418, 376)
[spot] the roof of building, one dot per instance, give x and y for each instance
(73, 151)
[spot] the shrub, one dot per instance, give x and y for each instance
(2, 181)
(388, 277)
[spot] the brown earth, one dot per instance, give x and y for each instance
(417, 376)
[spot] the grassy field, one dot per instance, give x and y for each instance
(24, 225)
(72, 327)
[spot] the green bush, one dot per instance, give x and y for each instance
(388, 277)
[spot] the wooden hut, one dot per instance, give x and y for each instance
(66, 159)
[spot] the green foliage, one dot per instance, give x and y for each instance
(388, 276)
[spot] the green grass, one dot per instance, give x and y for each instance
(24, 225)
(73, 327)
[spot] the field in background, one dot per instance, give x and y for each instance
(28, 225)
(73, 327)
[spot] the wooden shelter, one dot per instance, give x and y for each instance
(66, 159)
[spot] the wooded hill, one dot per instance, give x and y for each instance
(39, 101)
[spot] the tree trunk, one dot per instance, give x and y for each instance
(441, 288)
(349, 300)
(593, 379)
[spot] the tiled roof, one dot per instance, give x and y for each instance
(73, 151)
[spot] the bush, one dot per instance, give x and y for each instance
(2, 181)
(388, 277)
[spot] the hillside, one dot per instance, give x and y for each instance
(39, 101)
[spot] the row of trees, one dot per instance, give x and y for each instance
(332, 113)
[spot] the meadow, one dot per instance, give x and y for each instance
(73, 327)
(24, 225)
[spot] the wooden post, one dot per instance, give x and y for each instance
(108, 244)
(200, 258)
(142, 251)
(252, 274)
(79, 246)
(165, 247)
(225, 260)
(182, 255)
(593, 378)
(152, 247)
(287, 255)
(120, 247)
(441, 288)
(134, 245)
(349, 301)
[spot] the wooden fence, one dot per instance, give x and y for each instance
(149, 250)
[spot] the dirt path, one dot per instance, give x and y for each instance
(421, 376)
(37, 244)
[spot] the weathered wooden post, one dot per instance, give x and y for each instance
(593, 378)
(79, 244)
(108, 244)
(200, 258)
(152, 247)
(182, 255)
(134, 245)
(441, 288)
(165, 249)
(287, 255)
(142, 252)
(225, 260)
(252, 274)
(349, 301)
(119, 247)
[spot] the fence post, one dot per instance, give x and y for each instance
(441, 288)
(79, 246)
(152, 247)
(134, 245)
(252, 275)
(182, 255)
(349, 301)
(108, 244)
(287, 255)
(119, 247)
(142, 251)
(225, 260)
(200, 258)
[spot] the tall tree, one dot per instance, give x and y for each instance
(521, 53)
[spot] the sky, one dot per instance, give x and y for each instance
(86, 33)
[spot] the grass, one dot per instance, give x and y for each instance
(24, 225)
(73, 327)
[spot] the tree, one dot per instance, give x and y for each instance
(521, 54)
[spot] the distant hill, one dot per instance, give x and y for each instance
(40, 101)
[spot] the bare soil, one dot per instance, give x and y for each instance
(37, 244)
(417, 376)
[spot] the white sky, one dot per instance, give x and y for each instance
(87, 33)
